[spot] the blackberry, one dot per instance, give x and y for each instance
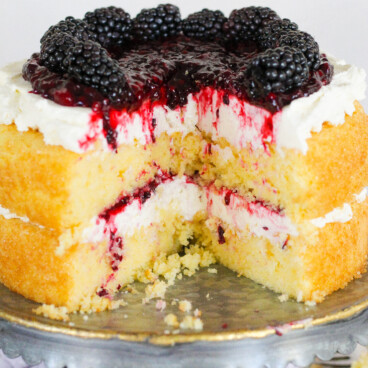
(278, 70)
(157, 23)
(54, 49)
(305, 43)
(112, 26)
(204, 25)
(74, 27)
(269, 35)
(90, 64)
(244, 24)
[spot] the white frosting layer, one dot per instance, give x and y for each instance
(341, 214)
(296, 122)
(78, 129)
(60, 125)
(362, 195)
(8, 215)
(254, 217)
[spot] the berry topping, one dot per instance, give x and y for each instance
(112, 26)
(108, 61)
(90, 64)
(244, 24)
(157, 23)
(74, 27)
(305, 43)
(54, 49)
(270, 34)
(204, 25)
(278, 70)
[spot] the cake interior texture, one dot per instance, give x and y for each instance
(182, 141)
(252, 210)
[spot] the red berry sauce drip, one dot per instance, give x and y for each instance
(115, 250)
(142, 194)
(252, 204)
(221, 236)
(167, 72)
(228, 197)
(116, 244)
(102, 293)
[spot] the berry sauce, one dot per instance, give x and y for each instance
(115, 252)
(141, 194)
(167, 72)
(221, 237)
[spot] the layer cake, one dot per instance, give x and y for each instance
(258, 153)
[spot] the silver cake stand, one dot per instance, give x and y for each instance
(245, 325)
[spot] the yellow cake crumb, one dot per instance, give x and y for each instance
(173, 266)
(156, 290)
(185, 306)
(212, 270)
(115, 304)
(192, 323)
(283, 298)
(50, 311)
(197, 312)
(171, 320)
(195, 257)
(131, 289)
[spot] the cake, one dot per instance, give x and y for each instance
(124, 139)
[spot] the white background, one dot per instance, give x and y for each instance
(339, 26)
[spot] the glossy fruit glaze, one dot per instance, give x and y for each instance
(167, 72)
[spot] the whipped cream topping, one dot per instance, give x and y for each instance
(240, 123)
(340, 214)
(295, 124)
(255, 217)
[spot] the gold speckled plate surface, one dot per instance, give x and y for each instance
(232, 308)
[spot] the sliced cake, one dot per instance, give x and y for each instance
(120, 144)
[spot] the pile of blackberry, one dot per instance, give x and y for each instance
(253, 53)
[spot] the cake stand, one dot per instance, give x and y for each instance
(245, 325)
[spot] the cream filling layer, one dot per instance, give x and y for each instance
(8, 215)
(240, 123)
(182, 198)
(255, 218)
(341, 214)
(186, 199)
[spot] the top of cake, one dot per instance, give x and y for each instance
(110, 62)
(253, 54)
